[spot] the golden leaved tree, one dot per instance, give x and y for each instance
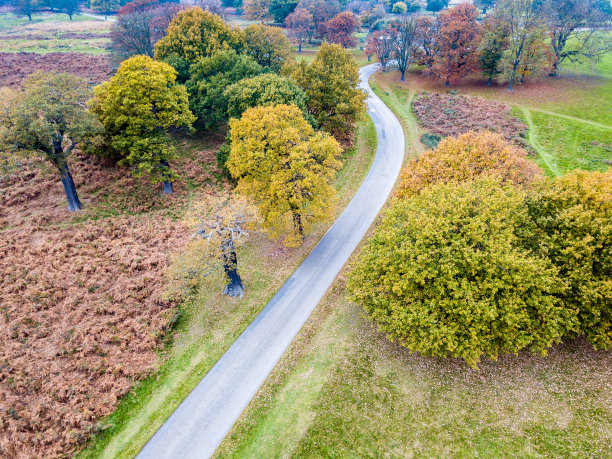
(285, 167)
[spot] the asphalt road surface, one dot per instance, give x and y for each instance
(200, 423)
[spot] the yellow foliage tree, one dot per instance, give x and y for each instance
(285, 167)
(194, 34)
(466, 157)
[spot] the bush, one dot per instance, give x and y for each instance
(466, 157)
(446, 275)
(573, 220)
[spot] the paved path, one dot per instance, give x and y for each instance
(200, 423)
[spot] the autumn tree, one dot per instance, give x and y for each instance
(572, 216)
(405, 42)
(491, 48)
(268, 46)
(256, 10)
(525, 31)
(340, 29)
(466, 157)
(300, 25)
(331, 83)
(457, 40)
(104, 6)
(576, 29)
(445, 274)
(138, 107)
(426, 46)
(399, 8)
(212, 6)
(222, 225)
(382, 43)
(131, 33)
(280, 9)
(285, 167)
(210, 77)
(49, 118)
(263, 90)
(194, 34)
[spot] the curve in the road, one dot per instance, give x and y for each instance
(200, 423)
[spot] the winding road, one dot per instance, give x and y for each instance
(200, 423)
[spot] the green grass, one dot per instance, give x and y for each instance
(209, 323)
(10, 20)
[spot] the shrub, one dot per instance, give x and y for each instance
(466, 157)
(573, 219)
(446, 275)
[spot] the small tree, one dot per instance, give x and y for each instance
(457, 40)
(573, 228)
(131, 33)
(406, 41)
(138, 107)
(491, 49)
(25, 8)
(340, 29)
(49, 118)
(280, 9)
(301, 26)
(445, 275)
(223, 224)
(577, 31)
(399, 8)
(286, 168)
(70, 7)
(465, 157)
(436, 5)
(268, 46)
(210, 77)
(331, 83)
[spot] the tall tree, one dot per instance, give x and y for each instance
(104, 6)
(210, 77)
(491, 49)
(131, 33)
(280, 9)
(286, 168)
(340, 29)
(525, 30)
(331, 83)
(49, 117)
(268, 46)
(406, 41)
(576, 29)
(457, 40)
(301, 26)
(70, 7)
(426, 47)
(138, 107)
(25, 8)
(194, 34)
(382, 44)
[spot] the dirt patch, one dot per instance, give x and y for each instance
(15, 67)
(451, 115)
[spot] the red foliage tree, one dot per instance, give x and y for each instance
(425, 49)
(457, 41)
(340, 29)
(301, 26)
(381, 43)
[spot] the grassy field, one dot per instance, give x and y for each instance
(210, 322)
(48, 33)
(343, 390)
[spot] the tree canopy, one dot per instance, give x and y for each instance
(280, 9)
(285, 167)
(138, 107)
(268, 46)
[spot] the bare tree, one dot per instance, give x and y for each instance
(405, 42)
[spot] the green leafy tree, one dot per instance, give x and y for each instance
(104, 6)
(138, 107)
(445, 275)
(70, 7)
(491, 49)
(263, 90)
(436, 5)
(331, 83)
(194, 34)
(573, 228)
(280, 9)
(25, 8)
(285, 167)
(210, 77)
(268, 46)
(49, 117)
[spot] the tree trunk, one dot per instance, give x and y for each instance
(510, 85)
(369, 57)
(555, 68)
(168, 188)
(297, 222)
(299, 47)
(234, 287)
(74, 203)
(489, 81)
(403, 75)
(70, 16)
